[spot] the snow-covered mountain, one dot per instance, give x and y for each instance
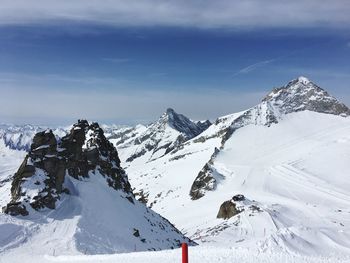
(159, 138)
(272, 178)
(298, 95)
(302, 94)
(19, 137)
(71, 196)
(288, 157)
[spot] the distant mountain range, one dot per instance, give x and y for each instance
(272, 177)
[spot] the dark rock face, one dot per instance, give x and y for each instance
(238, 198)
(85, 149)
(206, 179)
(203, 182)
(15, 209)
(203, 125)
(184, 125)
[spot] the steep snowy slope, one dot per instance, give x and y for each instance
(288, 156)
(72, 196)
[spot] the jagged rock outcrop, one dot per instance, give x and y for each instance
(84, 150)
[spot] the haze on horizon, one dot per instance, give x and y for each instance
(125, 62)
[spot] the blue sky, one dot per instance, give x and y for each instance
(126, 63)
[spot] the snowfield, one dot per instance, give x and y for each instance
(202, 254)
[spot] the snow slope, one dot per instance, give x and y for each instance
(199, 254)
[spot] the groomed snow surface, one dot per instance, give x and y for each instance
(199, 254)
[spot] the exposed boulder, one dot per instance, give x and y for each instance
(237, 205)
(238, 198)
(231, 207)
(227, 210)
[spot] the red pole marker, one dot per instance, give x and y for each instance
(184, 253)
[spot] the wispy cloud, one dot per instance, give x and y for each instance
(254, 66)
(184, 13)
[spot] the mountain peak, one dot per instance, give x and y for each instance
(303, 80)
(167, 133)
(302, 94)
(170, 111)
(181, 123)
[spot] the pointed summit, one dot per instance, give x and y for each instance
(304, 80)
(302, 94)
(170, 111)
(167, 133)
(180, 123)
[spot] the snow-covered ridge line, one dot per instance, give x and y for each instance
(300, 94)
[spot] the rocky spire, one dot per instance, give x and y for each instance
(39, 181)
(182, 124)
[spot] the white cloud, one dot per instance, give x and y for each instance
(236, 14)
